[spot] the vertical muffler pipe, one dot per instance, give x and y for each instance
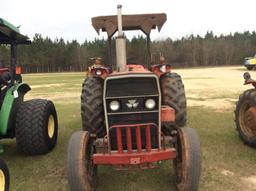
(120, 42)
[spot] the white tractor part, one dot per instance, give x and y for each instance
(120, 43)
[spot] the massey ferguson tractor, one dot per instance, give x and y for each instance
(34, 122)
(245, 113)
(133, 117)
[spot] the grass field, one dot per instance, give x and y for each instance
(228, 164)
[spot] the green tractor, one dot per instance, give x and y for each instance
(34, 122)
(245, 113)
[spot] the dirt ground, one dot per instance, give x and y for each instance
(217, 87)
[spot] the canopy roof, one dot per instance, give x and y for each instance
(11, 34)
(144, 22)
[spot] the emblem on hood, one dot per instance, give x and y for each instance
(132, 104)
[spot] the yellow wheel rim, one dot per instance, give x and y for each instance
(51, 126)
(2, 180)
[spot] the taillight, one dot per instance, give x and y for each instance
(18, 70)
(161, 69)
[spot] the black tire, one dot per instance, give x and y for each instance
(249, 67)
(187, 165)
(82, 174)
(173, 95)
(4, 176)
(245, 117)
(92, 112)
(36, 127)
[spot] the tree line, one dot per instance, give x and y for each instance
(47, 55)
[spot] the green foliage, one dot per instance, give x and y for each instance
(47, 55)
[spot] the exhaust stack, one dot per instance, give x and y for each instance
(120, 42)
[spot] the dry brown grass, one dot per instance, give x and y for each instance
(216, 87)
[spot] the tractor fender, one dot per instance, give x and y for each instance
(10, 105)
(23, 88)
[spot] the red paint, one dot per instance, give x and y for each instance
(135, 67)
(133, 158)
(18, 70)
(129, 139)
(2, 70)
(158, 72)
(119, 140)
(148, 139)
(104, 71)
(138, 139)
(167, 114)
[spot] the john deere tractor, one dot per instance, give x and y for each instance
(250, 62)
(34, 122)
(245, 113)
(133, 116)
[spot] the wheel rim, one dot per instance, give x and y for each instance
(91, 168)
(2, 180)
(179, 162)
(51, 128)
(247, 120)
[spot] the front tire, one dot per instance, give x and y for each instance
(187, 165)
(82, 174)
(173, 95)
(245, 117)
(249, 67)
(4, 176)
(36, 127)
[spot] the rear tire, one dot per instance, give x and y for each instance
(173, 95)
(92, 112)
(187, 164)
(245, 117)
(4, 176)
(36, 127)
(82, 174)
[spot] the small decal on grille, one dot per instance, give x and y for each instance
(132, 104)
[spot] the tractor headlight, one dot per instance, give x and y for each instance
(114, 105)
(163, 68)
(98, 72)
(150, 103)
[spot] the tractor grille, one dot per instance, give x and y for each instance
(132, 93)
(131, 87)
(134, 137)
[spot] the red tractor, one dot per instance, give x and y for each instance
(132, 117)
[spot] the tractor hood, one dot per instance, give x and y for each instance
(132, 69)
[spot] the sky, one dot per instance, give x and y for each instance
(71, 19)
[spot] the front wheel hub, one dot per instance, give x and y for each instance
(2, 181)
(250, 118)
(51, 126)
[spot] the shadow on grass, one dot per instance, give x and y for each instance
(242, 69)
(159, 178)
